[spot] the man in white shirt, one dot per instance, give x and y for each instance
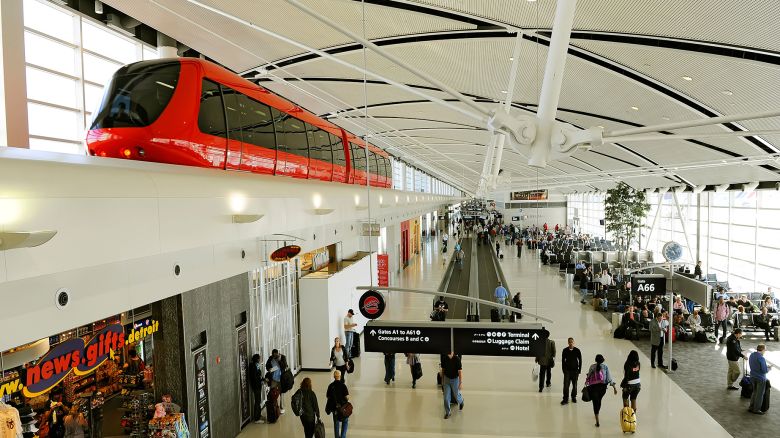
(349, 330)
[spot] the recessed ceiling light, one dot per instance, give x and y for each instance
(511, 58)
(503, 91)
(635, 108)
(687, 78)
(665, 118)
(599, 126)
(727, 92)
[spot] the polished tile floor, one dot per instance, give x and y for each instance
(501, 400)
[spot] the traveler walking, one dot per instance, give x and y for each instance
(310, 410)
(519, 247)
(451, 381)
(389, 368)
(498, 247)
(255, 374)
(758, 371)
(733, 355)
(630, 383)
(657, 341)
(339, 357)
(338, 399)
(597, 380)
(413, 360)
(276, 365)
(571, 364)
(722, 313)
(546, 361)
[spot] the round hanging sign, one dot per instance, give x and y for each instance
(285, 253)
(371, 304)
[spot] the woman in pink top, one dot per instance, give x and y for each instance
(722, 313)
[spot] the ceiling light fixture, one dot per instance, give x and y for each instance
(511, 58)
(503, 91)
(635, 108)
(24, 239)
(727, 92)
(667, 118)
(687, 78)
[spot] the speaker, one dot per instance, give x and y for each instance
(601, 221)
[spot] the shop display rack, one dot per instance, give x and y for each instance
(139, 405)
(169, 426)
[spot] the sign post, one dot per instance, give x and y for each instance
(410, 339)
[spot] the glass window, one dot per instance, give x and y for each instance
(48, 87)
(769, 236)
(211, 116)
(99, 70)
(719, 215)
(719, 246)
(293, 138)
(372, 163)
(49, 20)
(232, 112)
(720, 231)
(93, 94)
(767, 255)
(257, 125)
(319, 144)
(743, 216)
(137, 95)
(50, 54)
(769, 218)
(743, 234)
(358, 157)
(149, 53)
(743, 251)
(105, 42)
(40, 144)
(744, 199)
(769, 199)
(719, 199)
(338, 150)
(48, 121)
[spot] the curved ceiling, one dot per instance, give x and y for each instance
(629, 64)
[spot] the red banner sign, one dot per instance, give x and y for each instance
(382, 261)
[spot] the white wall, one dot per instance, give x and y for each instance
(122, 226)
(337, 294)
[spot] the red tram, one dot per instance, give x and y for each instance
(192, 112)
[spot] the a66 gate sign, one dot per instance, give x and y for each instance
(648, 285)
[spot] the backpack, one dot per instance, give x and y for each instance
(595, 377)
(287, 381)
(297, 403)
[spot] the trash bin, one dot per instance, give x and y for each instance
(616, 320)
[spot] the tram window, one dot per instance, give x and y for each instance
(319, 144)
(211, 116)
(233, 112)
(372, 162)
(337, 147)
(137, 95)
(257, 125)
(358, 157)
(294, 137)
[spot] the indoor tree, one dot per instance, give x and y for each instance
(624, 210)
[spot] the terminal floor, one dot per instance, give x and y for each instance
(702, 374)
(501, 400)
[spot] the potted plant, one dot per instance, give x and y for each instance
(624, 210)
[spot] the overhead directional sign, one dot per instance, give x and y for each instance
(467, 338)
(410, 339)
(499, 341)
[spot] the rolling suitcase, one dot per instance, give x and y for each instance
(747, 387)
(628, 420)
(355, 352)
(765, 402)
(495, 316)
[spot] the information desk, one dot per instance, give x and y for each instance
(466, 338)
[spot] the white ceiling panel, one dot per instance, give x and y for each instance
(718, 21)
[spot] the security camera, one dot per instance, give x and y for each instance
(62, 298)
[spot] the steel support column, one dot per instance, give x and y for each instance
(14, 127)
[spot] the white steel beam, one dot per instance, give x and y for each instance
(553, 78)
(693, 123)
